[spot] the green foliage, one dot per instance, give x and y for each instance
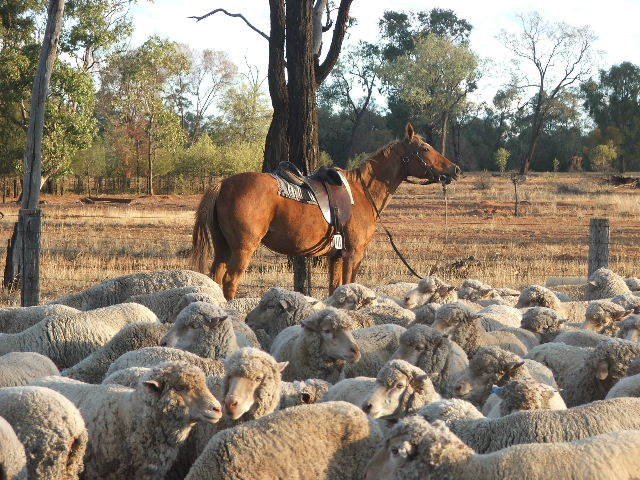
(501, 158)
(198, 158)
(602, 157)
(324, 159)
(556, 165)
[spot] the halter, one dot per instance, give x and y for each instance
(431, 175)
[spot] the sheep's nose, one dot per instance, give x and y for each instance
(231, 404)
(355, 352)
(163, 342)
(366, 408)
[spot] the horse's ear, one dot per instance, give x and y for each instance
(409, 131)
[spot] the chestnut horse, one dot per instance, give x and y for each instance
(244, 210)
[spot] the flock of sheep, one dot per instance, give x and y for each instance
(156, 376)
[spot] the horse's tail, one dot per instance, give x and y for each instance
(205, 228)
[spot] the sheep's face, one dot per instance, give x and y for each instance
(521, 395)
(394, 453)
(336, 342)
(183, 388)
(352, 297)
(190, 333)
(471, 388)
(390, 393)
(408, 352)
(630, 328)
(242, 392)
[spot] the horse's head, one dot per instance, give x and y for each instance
(421, 160)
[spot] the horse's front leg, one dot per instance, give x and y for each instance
(335, 272)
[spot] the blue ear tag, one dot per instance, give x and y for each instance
(496, 389)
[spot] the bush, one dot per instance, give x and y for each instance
(501, 158)
(602, 157)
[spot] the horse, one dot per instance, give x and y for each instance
(244, 210)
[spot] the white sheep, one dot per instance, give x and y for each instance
(49, 427)
(603, 315)
(277, 310)
(415, 449)
(465, 328)
(395, 291)
(136, 433)
(134, 336)
(398, 390)
(167, 304)
(17, 319)
(302, 392)
(533, 426)
(242, 306)
(603, 283)
(67, 340)
(586, 374)
(118, 290)
(442, 359)
(430, 289)
(630, 328)
(633, 283)
(20, 368)
(376, 345)
(317, 348)
(152, 356)
(322, 441)
(525, 394)
(626, 387)
(13, 463)
(539, 296)
(628, 301)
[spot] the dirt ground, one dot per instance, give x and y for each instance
(475, 236)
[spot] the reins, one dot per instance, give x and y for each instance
(367, 192)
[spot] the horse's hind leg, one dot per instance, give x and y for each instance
(335, 273)
(238, 263)
(218, 268)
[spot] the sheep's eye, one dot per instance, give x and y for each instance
(395, 451)
(399, 386)
(327, 332)
(179, 388)
(259, 379)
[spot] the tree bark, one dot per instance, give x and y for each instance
(445, 127)
(30, 215)
(150, 159)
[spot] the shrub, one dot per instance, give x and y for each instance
(502, 158)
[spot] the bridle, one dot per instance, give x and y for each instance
(431, 174)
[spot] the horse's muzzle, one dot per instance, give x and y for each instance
(448, 178)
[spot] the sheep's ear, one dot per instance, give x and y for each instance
(282, 366)
(284, 304)
(509, 370)
(409, 132)
(484, 293)
(620, 315)
(309, 324)
(153, 386)
(420, 383)
(602, 370)
(593, 284)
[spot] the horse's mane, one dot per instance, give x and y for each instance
(384, 151)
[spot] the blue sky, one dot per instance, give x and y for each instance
(615, 22)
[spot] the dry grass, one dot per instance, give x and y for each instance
(83, 245)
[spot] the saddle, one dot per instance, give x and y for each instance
(329, 187)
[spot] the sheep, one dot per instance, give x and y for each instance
(633, 283)
(634, 367)
(426, 314)
(382, 313)
(491, 366)
(204, 329)
(353, 390)
(19, 368)
(477, 291)
(277, 310)
(525, 394)
(127, 377)
(580, 338)
(603, 315)
(13, 463)
(136, 433)
(628, 301)
(302, 392)
(540, 426)
(430, 289)
(242, 306)
(504, 315)
(430, 350)
(415, 449)
(152, 356)
(322, 441)
(317, 348)
(17, 319)
(395, 291)
(630, 328)
(49, 427)
(603, 283)
(626, 387)
(466, 330)
(376, 346)
(167, 304)
(546, 323)
(118, 290)
(67, 340)
(400, 389)
(586, 374)
(351, 296)
(134, 336)
(539, 296)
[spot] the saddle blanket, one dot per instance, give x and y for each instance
(294, 192)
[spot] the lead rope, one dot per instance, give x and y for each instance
(390, 236)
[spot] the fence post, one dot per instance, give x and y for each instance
(599, 233)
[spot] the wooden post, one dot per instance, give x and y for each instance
(30, 214)
(599, 233)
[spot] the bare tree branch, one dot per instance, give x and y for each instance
(235, 15)
(342, 20)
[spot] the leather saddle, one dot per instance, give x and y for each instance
(330, 188)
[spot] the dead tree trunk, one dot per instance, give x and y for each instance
(27, 238)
